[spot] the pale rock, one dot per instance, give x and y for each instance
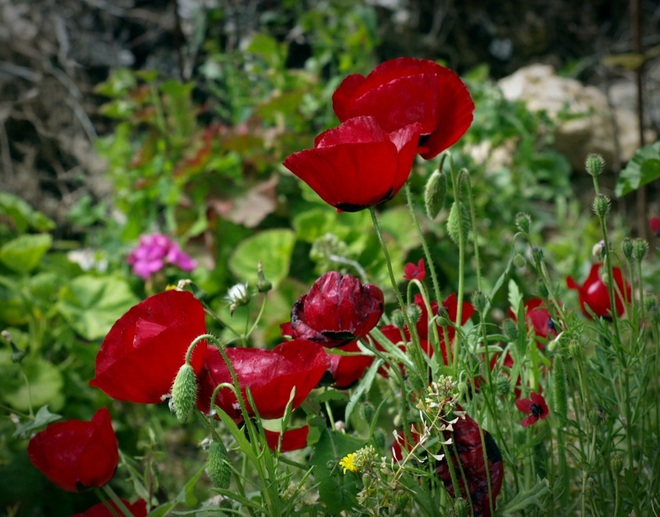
(586, 123)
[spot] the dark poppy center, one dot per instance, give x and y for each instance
(536, 410)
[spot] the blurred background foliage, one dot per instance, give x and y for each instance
(125, 118)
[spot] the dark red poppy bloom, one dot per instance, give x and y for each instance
(402, 91)
(535, 407)
(77, 454)
(269, 374)
(292, 440)
(468, 449)
(654, 224)
(358, 164)
(415, 272)
(137, 509)
(145, 348)
(346, 370)
(538, 318)
(593, 293)
(337, 309)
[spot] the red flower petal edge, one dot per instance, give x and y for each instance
(145, 348)
(292, 440)
(137, 509)
(77, 454)
(405, 90)
(269, 374)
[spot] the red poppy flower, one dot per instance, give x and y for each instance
(137, 509)
(346, 370)
(538, 318)
(402, 91)
(292, 440)
(145, 348)
(467, 448)
(337, 309)
(535, 406)
(358, 164)
(654, 224)
(415, 272)
(77, 454)
(593, 293)
(270, 375)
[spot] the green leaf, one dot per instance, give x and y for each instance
(642, 169)
(535, 496)
(24, 253)
(41, 385)
(272, 247)
(92, 305)
(337, 491)
(41, 419)
(21, 215)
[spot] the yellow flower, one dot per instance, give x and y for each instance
(348, 463)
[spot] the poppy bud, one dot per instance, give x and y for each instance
(616, 463)
(523, 222)
(519, 261)
(397, 319)
(460, 507)
(594, 164)
(503, 384)
(598, 251)
(414, 313)
(184, 392)
(537, 255)
(627, 248)
(17, 355)
(458, 221)
(435, 193)
(510, 329)
(368, 411)
(601, 205)
(640, 248)
(574, 348)
(217, 466)
(263, 284)
(480, 301)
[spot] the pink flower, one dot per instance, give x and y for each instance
(415, 272)
(154, 252)
(535, 406)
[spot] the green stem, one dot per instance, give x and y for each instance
(112, 495)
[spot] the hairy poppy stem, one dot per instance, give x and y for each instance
(112, 496)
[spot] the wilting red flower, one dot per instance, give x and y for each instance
(415, 272)
(137, 509)
(77, 454)
(269, 374)
(145, 348)
(593, 293)
(337, 309)
(292, 440)
(346, 370)
(654, 224)
(468, 449)
(535, 406)
(358, 164)
(402, 91)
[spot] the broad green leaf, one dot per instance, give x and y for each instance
(92, 305)
(272, 247)
(642, 169)
(24, 253)
(21, 215)
(42, 384)
(337, 491)
(12, 308)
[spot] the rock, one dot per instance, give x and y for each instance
(586, 123)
